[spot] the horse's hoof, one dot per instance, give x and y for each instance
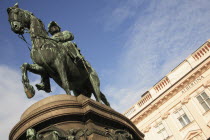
(107, 103)
(40, 86)
(43, 87)
(30, 92)
(68, 93)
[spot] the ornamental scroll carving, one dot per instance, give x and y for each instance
(185, 100)
(207, 84)
(208, 124)
(54, 133)
(165, 115)
(147, 129)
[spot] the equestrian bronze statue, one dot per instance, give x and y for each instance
(54, 58)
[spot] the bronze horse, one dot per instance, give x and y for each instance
(52, 60)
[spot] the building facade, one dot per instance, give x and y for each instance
(178, 106)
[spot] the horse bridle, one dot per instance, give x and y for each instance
(15, 18)
(21, 36)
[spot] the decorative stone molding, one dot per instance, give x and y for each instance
(137, 119)
(165, 115)
(162, 84)
(158, 104)
(208, 124)
(178, 107)
(185, 100)
(170, 94)
(175, 90)
(202, 51)
(56, 133)
(192, 134)
(146, 129)
(207, 84)
(144, 99)
(165, 97)
(155, 124)
(74, 115)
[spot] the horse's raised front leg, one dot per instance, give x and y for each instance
(45, 79)
(34, 68)
(29, 90)
(61, 69)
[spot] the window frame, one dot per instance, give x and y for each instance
(203, 101)
(160, 131)
(181, 116)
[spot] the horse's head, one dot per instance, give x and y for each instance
(18, 18)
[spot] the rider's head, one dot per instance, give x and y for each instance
(53, 28)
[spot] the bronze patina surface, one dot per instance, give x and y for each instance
(64, 117)
(54, 57)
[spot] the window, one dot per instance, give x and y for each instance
(204, 100)
(182, 117)
(162, 131)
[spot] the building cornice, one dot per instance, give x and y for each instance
(165, 115)
(174, 89)
(207, 84)
(174, 76)
(185, 100)
(146, 129)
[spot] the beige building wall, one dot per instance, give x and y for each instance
(178, 106)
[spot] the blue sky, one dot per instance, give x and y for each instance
(131, 44)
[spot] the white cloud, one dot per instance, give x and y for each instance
(158, 40)
(124, 11)
(161, 35)
(13, 99)
(122, 98)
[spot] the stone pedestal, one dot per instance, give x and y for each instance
(68, 117)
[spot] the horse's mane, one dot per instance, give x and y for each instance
(43, 26)
(41, 23)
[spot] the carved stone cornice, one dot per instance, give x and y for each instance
(165, 115)
(208, 124)
(145, 130)
(174, 91)
(185, 100)
(207, 84)
(57, 133)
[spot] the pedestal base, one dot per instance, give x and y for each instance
(73, 118)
